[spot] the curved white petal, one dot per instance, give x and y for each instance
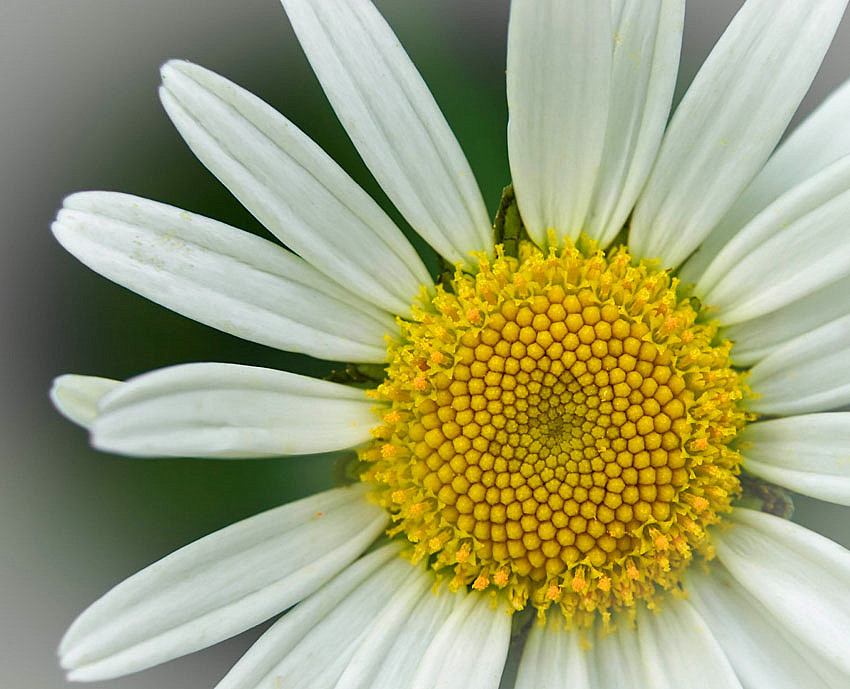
(221, 585)
(795, 247)
(614, 660)
(809, 454)
(292, 186)
(730, 119)
(802, 578)
(76, 396)
(821, 139)
(469, 650)
(394, 122)
(311, 646)
(753, 640)
(647, 42)
(220, 276)
(558, 89)
(553, 657)
(810, 373)
(678, 650)
(756, 338)
(228, 410)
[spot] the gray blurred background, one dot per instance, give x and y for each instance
(78, 110)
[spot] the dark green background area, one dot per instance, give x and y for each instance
(78, 110)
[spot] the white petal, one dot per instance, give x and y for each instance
(614, 661)
(647, 42)
(76, 396)
(469, 650)
(558, 89)
(394, 123)
(292, 186)
(810, 373)
(678, 650)
(310, 647)
(756, 338)
(751, 637)
(821, 139)
(220, 276)
(802, 578)
(795, 247)
(729, 121)
(221, 585)
(228, 410)
(553, 657)
(809, 454)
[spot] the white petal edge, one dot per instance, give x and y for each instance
(795, 247)
(394, 122)
(310, 646)
(469, 650)
(221, 585)
(821, 139)
(293, 187)
(808, 374)
(809, 454)
(229, 410)
(220, 276)
(802, 578)
(752, 639)
(76, 396)
(729, 121)
(558, 91)
(756, 338)
(553, 657)
(678, 649)
(647, 43)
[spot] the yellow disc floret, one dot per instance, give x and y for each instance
(558, 427)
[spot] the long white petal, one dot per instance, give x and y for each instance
(553, 657)
(558, 89)
(756, 338)
(794, 248)
(614, 660)
(310, 647)
(802, 578)
(292, 186)
(228, 410)
(753, 640)
(809, 454)
(469, 650)
(678, 650)
(394, 122)
(729, 121)
(220, 276)
(221, 585)
(76, 396)
(821, 139)
(810, 373)
(647, 42)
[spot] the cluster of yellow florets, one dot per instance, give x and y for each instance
(558, 427)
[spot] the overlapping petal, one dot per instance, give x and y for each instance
(558, 90)
(729, 122)
(553, 657)
(293, 187)
(801, 577)
(394, 122)
(221, 585)
(228, 410)
(809, 454)
(220, 276)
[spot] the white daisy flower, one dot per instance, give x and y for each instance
(590, 417)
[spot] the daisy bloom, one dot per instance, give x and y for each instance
(573, 442)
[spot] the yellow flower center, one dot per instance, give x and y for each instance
(558, 427)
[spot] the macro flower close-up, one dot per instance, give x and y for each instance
(566, 436)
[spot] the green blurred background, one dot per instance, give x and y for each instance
(78, 110)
